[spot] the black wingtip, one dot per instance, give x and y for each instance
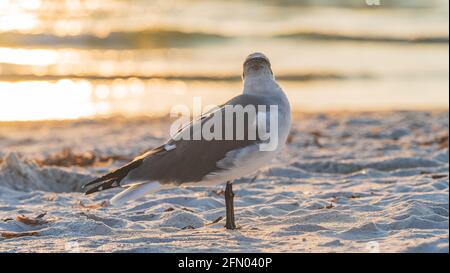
(92, 190)
(95, 181)
(112, 179)
(101, 186)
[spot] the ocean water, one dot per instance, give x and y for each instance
(72, 59)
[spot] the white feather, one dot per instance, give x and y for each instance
(134, 192)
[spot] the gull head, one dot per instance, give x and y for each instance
(257, 64)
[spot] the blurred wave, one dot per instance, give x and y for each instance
(152, 38)
(300, 77)
(159, 38)
(336, 37)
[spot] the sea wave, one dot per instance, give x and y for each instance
(177, 38)
(151, 38)
(336, 37)
(298, 77)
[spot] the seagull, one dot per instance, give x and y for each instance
(184, 161)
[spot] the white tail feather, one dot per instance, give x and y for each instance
(134, 192)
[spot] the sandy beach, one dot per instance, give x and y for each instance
(346, 182)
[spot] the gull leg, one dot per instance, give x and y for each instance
(229, 204)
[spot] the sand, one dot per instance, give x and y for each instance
(346, 182)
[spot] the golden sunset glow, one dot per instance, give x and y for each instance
(38, 57)
(68, 99)
(64, 99)
(126, 124)
(76, 58)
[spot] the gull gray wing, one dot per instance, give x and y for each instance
(192, 160)
(180, 160)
